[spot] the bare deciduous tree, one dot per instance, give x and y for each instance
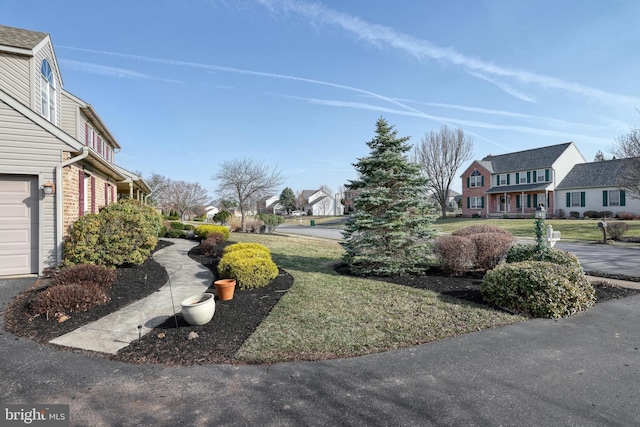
(628, 147)
(186, 196)
(244, 180)
(440, 155)
(159, 185)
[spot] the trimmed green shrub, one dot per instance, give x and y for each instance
(222, 217)
(456, 254)
(249, 263)
(538, 288)
(246, 245)
(74, 297)
(176, 225)
(491, 248)
(230, 258)
(270, 221)
(590, 214)
(123, 233)
(574, 214)
(617, 229)
(174, 234)
(479, 228)
(202, 231)
(519, 253)
(252, 272)
(101, 275)
(189, 227)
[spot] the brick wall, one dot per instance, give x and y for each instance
(71, 193)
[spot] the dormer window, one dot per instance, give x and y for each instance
(47, 92)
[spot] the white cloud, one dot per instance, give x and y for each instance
(383, 36)
(105, 70)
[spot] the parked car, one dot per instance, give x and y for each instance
(298, 213)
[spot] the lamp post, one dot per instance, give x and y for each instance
(541, 214)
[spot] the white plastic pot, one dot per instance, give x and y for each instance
(198, 309)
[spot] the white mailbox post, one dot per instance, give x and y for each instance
(552, 236)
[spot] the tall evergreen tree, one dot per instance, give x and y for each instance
(287, 199)
(390, 231)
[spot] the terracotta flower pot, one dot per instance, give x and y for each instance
(225, 288)
(198, 309)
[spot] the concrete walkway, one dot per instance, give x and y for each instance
(117, 330)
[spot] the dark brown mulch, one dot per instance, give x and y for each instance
(467, 287)
(132, 284)
(219, 340)
(234, 321)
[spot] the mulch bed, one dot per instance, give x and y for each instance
(234, 320)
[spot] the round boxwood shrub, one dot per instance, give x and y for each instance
(202, 231)
(520, 252)
(254, 272)
(228, 259)
(538, 288)
(123, 233)
(246, 245)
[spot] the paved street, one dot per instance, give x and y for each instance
(594, 257)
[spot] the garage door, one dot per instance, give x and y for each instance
(18, 224)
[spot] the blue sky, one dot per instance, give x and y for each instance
(186, 85)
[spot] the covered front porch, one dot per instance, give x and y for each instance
(518, 201)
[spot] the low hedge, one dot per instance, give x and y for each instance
(538, 288)
(202, 231)
(249, 263)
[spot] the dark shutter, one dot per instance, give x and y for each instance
(623, 201)
(535, 200)
(508, 180)
(468, 182)
(468, 202)
(546, 175)
(605, 198)
(482, 202)
(518, 201)
(583, 199)
(93, 194)
(481, 180)
(568, 199)
(517, 177)
(80, 192)
(528, 177)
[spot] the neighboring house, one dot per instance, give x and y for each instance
(268, 205)
(319, 203)
(349, 196)
(56, 156)
(210, 212)
(514, 184)
(593, 187)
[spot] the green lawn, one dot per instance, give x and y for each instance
(579, 229)
(327, 315)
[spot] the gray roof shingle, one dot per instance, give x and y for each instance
(19, 38)
(596, 174)
(537, 158)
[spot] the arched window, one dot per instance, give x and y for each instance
(48, 92)
(476, 180)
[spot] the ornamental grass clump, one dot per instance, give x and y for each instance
(538, 288)
(250, 264)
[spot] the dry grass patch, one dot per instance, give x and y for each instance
(327, 315)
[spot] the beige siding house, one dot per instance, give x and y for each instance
(56, 156)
